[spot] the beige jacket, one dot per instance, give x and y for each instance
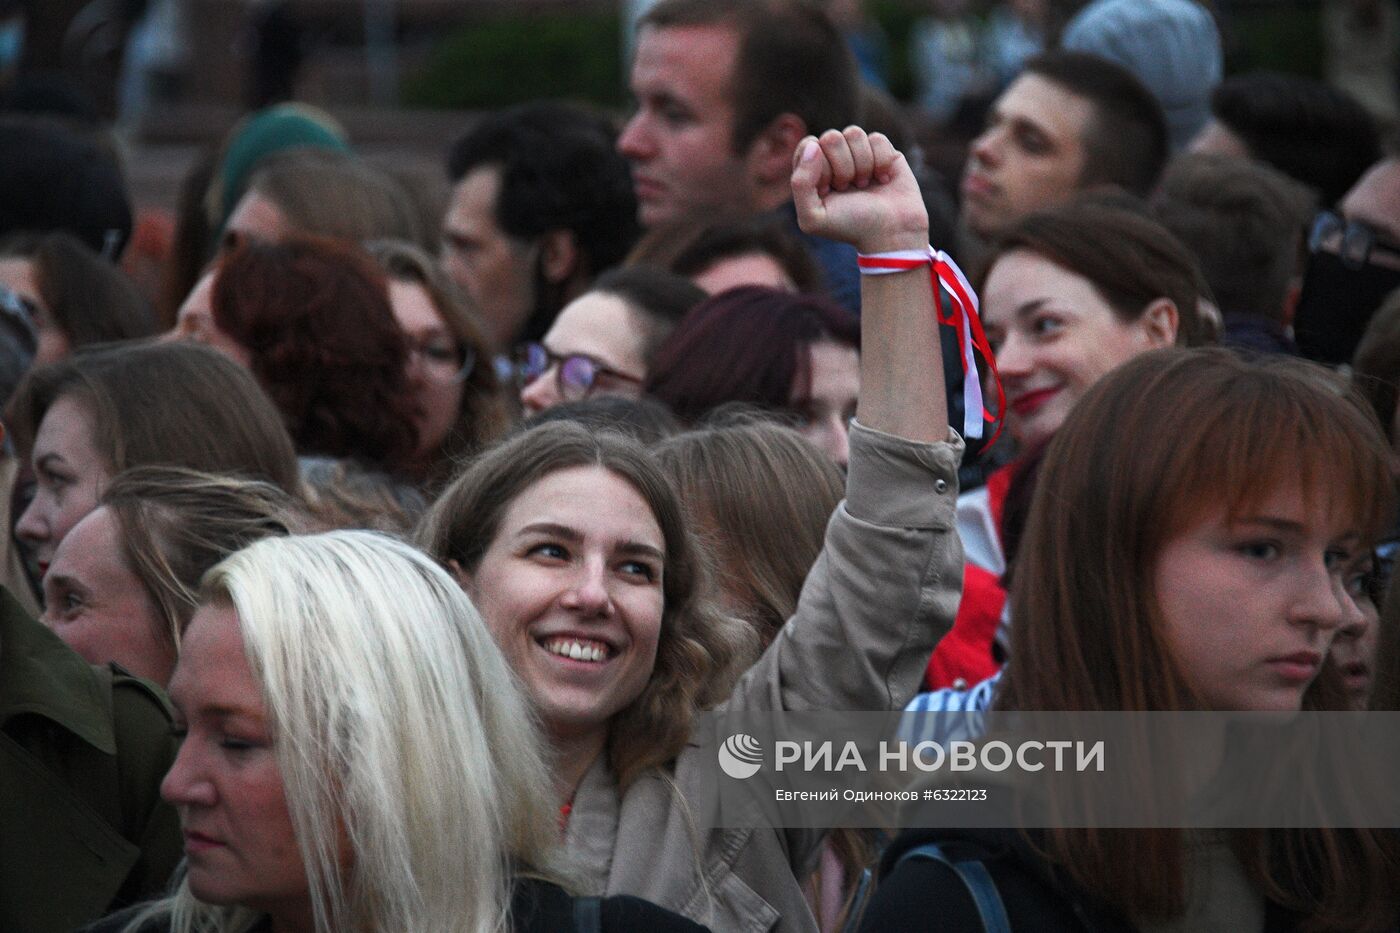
(879, 597)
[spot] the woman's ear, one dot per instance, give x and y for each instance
(1160, 321)
(464, 579)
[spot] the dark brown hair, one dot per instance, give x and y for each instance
(1244, 223)
(689, 246)
(1129, 258)
(89, 298)
(657, 300)
(791, 59)
(172, 404)
(700, 651)
(1151, 447)
(1125, 141)
(315, 317)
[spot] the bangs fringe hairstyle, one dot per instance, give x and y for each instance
(397, 726)
(1155, 444)
(700, 652)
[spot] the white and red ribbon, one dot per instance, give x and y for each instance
(946, 275)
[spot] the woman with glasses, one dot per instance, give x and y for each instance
(460, 401)
(603, 342)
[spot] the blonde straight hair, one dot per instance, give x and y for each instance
(398, 727)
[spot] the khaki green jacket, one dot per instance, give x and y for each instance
(82, 754)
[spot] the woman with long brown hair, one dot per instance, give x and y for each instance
(576, 549)
(1192, 537)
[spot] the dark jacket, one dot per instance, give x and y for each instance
(536, 907)
(82, 754)
(919, 894)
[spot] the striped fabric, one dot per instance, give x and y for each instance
(948, 715)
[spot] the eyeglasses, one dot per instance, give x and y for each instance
(575, 374)
(444, 361)
(1355, 240)
(23, 315)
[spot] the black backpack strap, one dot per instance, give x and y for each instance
(975, 877)
(588, 915)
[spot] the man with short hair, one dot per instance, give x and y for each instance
(1071, 122)
(541, 204)
(1244, 222)
(1304, 128)
(725, 90)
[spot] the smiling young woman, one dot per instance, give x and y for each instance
(575, 547)
(1068, 295)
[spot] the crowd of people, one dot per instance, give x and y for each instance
(370, 566)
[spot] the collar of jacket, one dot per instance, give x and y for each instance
(41, 675)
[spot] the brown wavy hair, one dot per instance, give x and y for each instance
(315, 317)
(1152, 446)
(701, 651)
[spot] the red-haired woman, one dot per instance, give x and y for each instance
(311, 319)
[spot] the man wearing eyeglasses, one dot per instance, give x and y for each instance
(1353, 264)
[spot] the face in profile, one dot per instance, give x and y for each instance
(435, 363)
(1054, 336)
(1354, 650)
(97, 605)
(225, 782)
(69, 475)
(195, 322)
(1030, 156)
(572, 590)
(679, 141)
(826, 406)
(1252, 603)
(495, 269)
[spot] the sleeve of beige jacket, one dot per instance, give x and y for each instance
(883, 591)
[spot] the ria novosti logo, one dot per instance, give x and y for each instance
(740, 756)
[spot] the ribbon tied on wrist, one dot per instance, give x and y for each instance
(962, 317)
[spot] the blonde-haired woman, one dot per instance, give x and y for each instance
(356, 755)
